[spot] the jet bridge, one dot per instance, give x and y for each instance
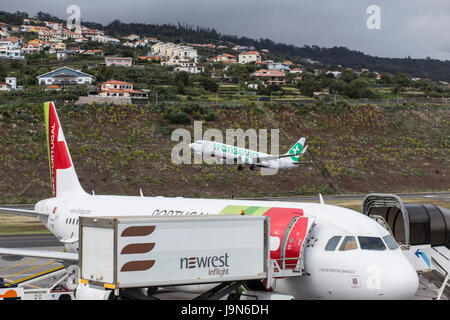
(119, 254)
(422, 230)
(410, 224)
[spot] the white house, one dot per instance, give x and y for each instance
(65, 76)
(12, 81)
(4, 86)
(334, 73)
(190, 67)
(31, 48)
(119, 89)
(119, 61)
(226, 58)
(11, 52)
(81, 40)
(169, 50)
(249, 56)
(132, 37)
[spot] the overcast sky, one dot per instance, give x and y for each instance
(415, 28)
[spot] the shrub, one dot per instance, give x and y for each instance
(177, 117)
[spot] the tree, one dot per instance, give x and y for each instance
(386, 78)
(209, 84)
(182, 77)
(401, 79)
(348, 75)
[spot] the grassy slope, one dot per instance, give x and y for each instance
(119, 150)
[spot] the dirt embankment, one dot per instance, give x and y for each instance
(119, 150)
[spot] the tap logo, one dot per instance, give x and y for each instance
(216, 265)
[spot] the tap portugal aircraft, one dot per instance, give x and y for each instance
(346, 255)
(227, 153)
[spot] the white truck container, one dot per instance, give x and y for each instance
(148, 251)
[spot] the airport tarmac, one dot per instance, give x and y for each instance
(23, 268)
(13, 270)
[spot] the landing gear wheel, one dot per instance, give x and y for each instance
(252, 167)
(240, 168)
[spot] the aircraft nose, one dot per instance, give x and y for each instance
(399, 279)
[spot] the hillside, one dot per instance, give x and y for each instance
(429, 68)
(425, 68)
(118, 150)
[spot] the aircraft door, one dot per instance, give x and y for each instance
(292, 247)
(54, 218)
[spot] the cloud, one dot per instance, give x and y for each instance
(408, 27)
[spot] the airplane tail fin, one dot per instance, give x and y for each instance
(298, 147)
(62, 172)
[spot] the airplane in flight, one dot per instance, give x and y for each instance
(227, 153)
(347, 255)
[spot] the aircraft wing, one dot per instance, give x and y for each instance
(22, 212)
(259, 159)
(54, 255)
(303, 162)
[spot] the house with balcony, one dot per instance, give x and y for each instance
(119, 61)
(249, 56)
(59, 46)
(270, 76)
(11, 52)
(65, 76)
(170, 50)
(225, 58)
(190, 67)
(120, 89)
(31, 48)
(4, 86)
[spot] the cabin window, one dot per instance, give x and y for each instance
(349, 243)
(371, 243)
(332, 243)
(390, 242)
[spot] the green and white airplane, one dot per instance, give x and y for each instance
(225, 153)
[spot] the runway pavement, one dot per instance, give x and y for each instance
(29, 241)
(445, 196)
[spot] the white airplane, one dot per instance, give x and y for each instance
(232, 154)
(347, 255)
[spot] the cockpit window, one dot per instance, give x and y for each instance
(371, 243)
(349, 243)
(332, 243)
(390, 242)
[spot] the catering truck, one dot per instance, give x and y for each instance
(118, 253)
